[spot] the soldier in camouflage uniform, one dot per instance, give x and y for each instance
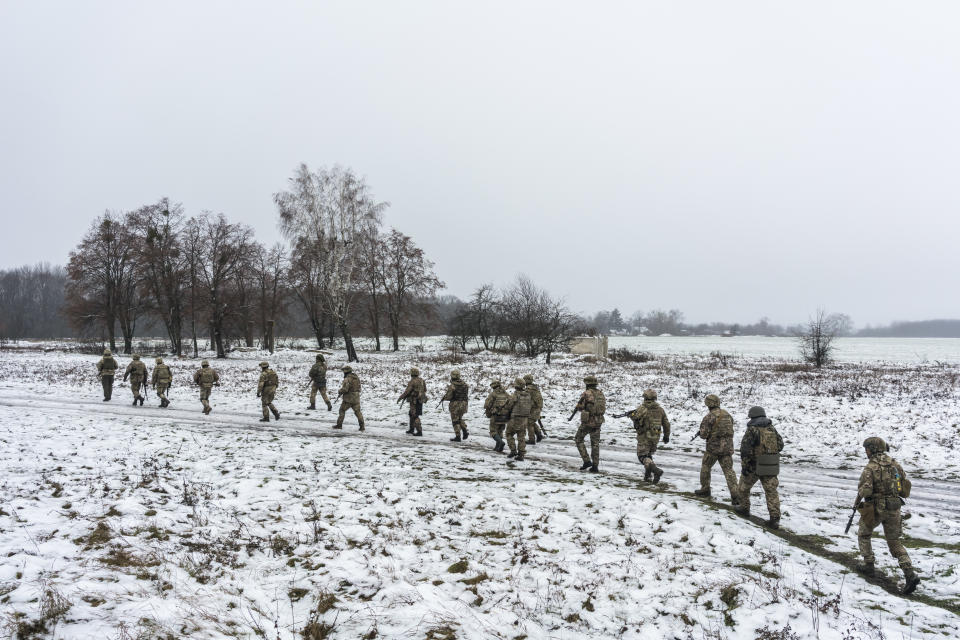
(106, 370)
(520, 408)
(497, 407)
(457, 395)
(267, 390)
(534, 430)
(350, 397)
(161, 381)
(415, 394)
(592, 407)
(205, 377)
(137, 371)
(883, 485)
(648, 419)
(717, 429)
(318, 382)
(761, 438)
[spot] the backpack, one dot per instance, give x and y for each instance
(889, 485)
(599, 406)
(272, 379)
(522, 404)
(768, 457)
(206, 375)
(499, 406)
(354, 386)
(460, 391)
(768, 441)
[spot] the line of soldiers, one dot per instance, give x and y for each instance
(515, 421)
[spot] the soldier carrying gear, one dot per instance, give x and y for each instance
(415, 395)
(318, 382)
(350, 397)
(205, 377)
(534, 429)
(648, 420)
(267, 390)
(497, 407)
(457, 395)
(106, 370)
(161, 381)
(717, 429)
(881, 492)
(592, 407)
(520, 407)
(760, 460)
(137, 371)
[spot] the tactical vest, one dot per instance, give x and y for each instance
(353, 383)
(599, 405)
(108, 366)
(271, 380)
(522, 404)
(138, 370)
(888, 485)
(768, 452)
(499, 408)
(318, 373)
(162, 373)
(206, 376)
(460, 390)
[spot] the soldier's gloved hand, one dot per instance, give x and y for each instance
(666, 439)
(258, 395)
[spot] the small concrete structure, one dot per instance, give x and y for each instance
(589, 346)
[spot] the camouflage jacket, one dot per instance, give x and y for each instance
(498, 405)
(318, 373)
(537, 400)
(350, 388)
(161, 375)
(416, 390)
(206, 377)
(592, 406)
(268, 380)
(648, 419)
(457, 391)
(717, 429)
(107, 366)
(759, 431)
(882, 483)
(136, 370)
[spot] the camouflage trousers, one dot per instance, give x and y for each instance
(107, 382)
(517, 434)
(205, 398)
(497, 428)
(769, 484)
(533, 428)
(726, 465)
(161, 389)
(457, 409)
(892, 530)
(416, 409)
(314, 388)
(266, 401)
(135, 384)
(646, 446)
(344, 405)
(594, 433)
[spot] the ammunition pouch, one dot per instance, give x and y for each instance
(768, 464)
(868, 515)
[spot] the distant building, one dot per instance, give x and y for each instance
(589, 346)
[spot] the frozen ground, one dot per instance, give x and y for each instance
(157, 523)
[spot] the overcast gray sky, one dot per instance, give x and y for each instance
(731, 159)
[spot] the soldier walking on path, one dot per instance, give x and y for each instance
(592, 407)
(137, 371)
(717, 429)
(267, 390)
(521, 405)
(648, 420)
(350, 397)
(415, 395)
(161, 381)
(497, 407)
(205, 377)
(760, 459)
(534, 430)
(318, 382)
(106, 370)
(883, 486)
(457, 395)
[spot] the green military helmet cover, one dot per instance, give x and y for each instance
(319, 357)
(414, 372)
(159, 360)
(346, 368)
(875, 445)
(107, 352)
(204, 363)
(264, 365)
(649, 394)
(518, 383)
(590, 380)
(528, 378)
(136, 356)
(712, 400)
(455, 374)
(756, 412)
(496, 384)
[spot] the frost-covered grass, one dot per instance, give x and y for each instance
(122, 522)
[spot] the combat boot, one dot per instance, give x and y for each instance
(519, 457)
(743, 510)
(135, 400)
(911, 580)
(419, 431)
(657, 472)
(276, 414)
(410, 430)
(705, 492)
(539, 437)
(866, 568)
(455, 439)
(312, 407)
(773, 523)
(531, 442)
(329, 407)
(361, 427)
(141, 399)
(647, 472)
(265, 419)
(585, 466)
(339, 425)
(594, 469)
(512, 454)
(466, 434)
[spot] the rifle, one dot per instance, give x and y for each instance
(621, 415)
(440, 405)
(542, 428)
(575, 409)
(856, 505)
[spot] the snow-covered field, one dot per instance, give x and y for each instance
(123, 522)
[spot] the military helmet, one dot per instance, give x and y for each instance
(518, 383)
(528, 378)
(136, 356)
(712, 400)
(346, 368)
(756, 412)
(204, 363)
(590, 380)
(159, 360)
(319, 357)
(106, 352)
(496, 384)
(264, 365)
(414, 372)
(649, 394)
(455, 374)
(875, 445)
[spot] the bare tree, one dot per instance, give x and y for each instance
(31, 298)
(485, 308)
(372, 279)
(270, 267)
(408, 276)
(326, 213)
(816, 338)
(537, 322)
